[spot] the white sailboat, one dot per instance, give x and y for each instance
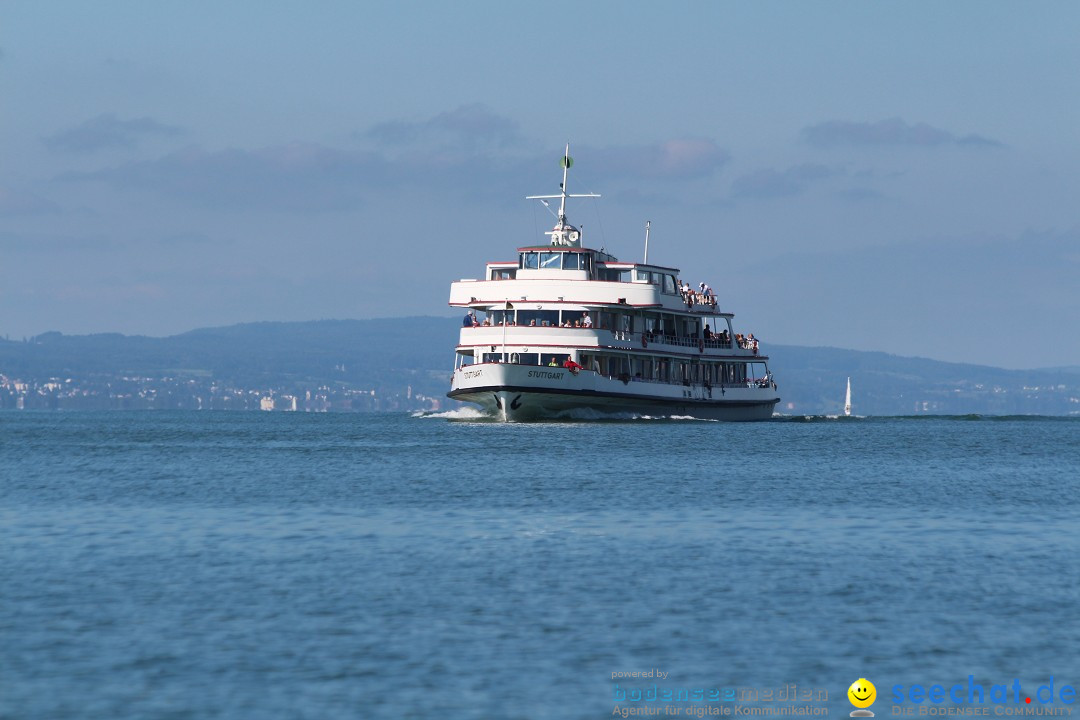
(847, 399)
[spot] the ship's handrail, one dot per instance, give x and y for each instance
(646, 337)
(685, 341)
(753, 383)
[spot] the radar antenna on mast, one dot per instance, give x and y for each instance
(564, 233)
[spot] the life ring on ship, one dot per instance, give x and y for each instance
(644, 340)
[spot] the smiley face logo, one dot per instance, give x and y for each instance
(862, 693)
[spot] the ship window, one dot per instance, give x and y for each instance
(528, 260)
(641, 275)
(498, 316)
(538, 318)
(549, 260)
(526, 358)
(503, 274)
(669, 284)
(572, 261)
(572, 318)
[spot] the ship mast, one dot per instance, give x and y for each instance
(564, 233)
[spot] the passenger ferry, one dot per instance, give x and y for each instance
(564, 329)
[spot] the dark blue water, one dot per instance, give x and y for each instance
(201, 565)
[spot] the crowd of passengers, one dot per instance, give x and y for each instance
(704, 295)
(720, 339)
(585, 321)
(747, 342)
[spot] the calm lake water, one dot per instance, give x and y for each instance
(230, 565)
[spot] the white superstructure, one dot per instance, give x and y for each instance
(567, 328)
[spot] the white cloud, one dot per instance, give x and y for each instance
(295, 177)
(770, 183)
(468, 125)
(105, 131)
(891, 132)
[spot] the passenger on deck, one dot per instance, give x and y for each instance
(586, 321)
(706, 333)
(487, 321)
(554, 362)
(708, 297)
(469, 320)
(572, 366)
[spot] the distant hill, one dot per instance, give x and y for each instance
(386, 351)
(814, 379)
(390, 355)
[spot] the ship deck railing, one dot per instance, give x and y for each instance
(752, 383)
(680, 341)
(652, 338)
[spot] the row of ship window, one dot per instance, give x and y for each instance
(542, 260)
(666, 324)
(554, 261)
(645, 368)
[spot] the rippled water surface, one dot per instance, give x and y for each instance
(202, 565)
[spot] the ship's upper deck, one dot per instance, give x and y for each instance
(564, 272)
(584, 276)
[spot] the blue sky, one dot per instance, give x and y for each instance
(880, 176)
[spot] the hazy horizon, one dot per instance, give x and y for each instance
(898, 178)
(454, 320)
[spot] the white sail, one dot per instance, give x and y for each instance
(847, 398)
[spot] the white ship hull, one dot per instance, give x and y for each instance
(530, 392)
